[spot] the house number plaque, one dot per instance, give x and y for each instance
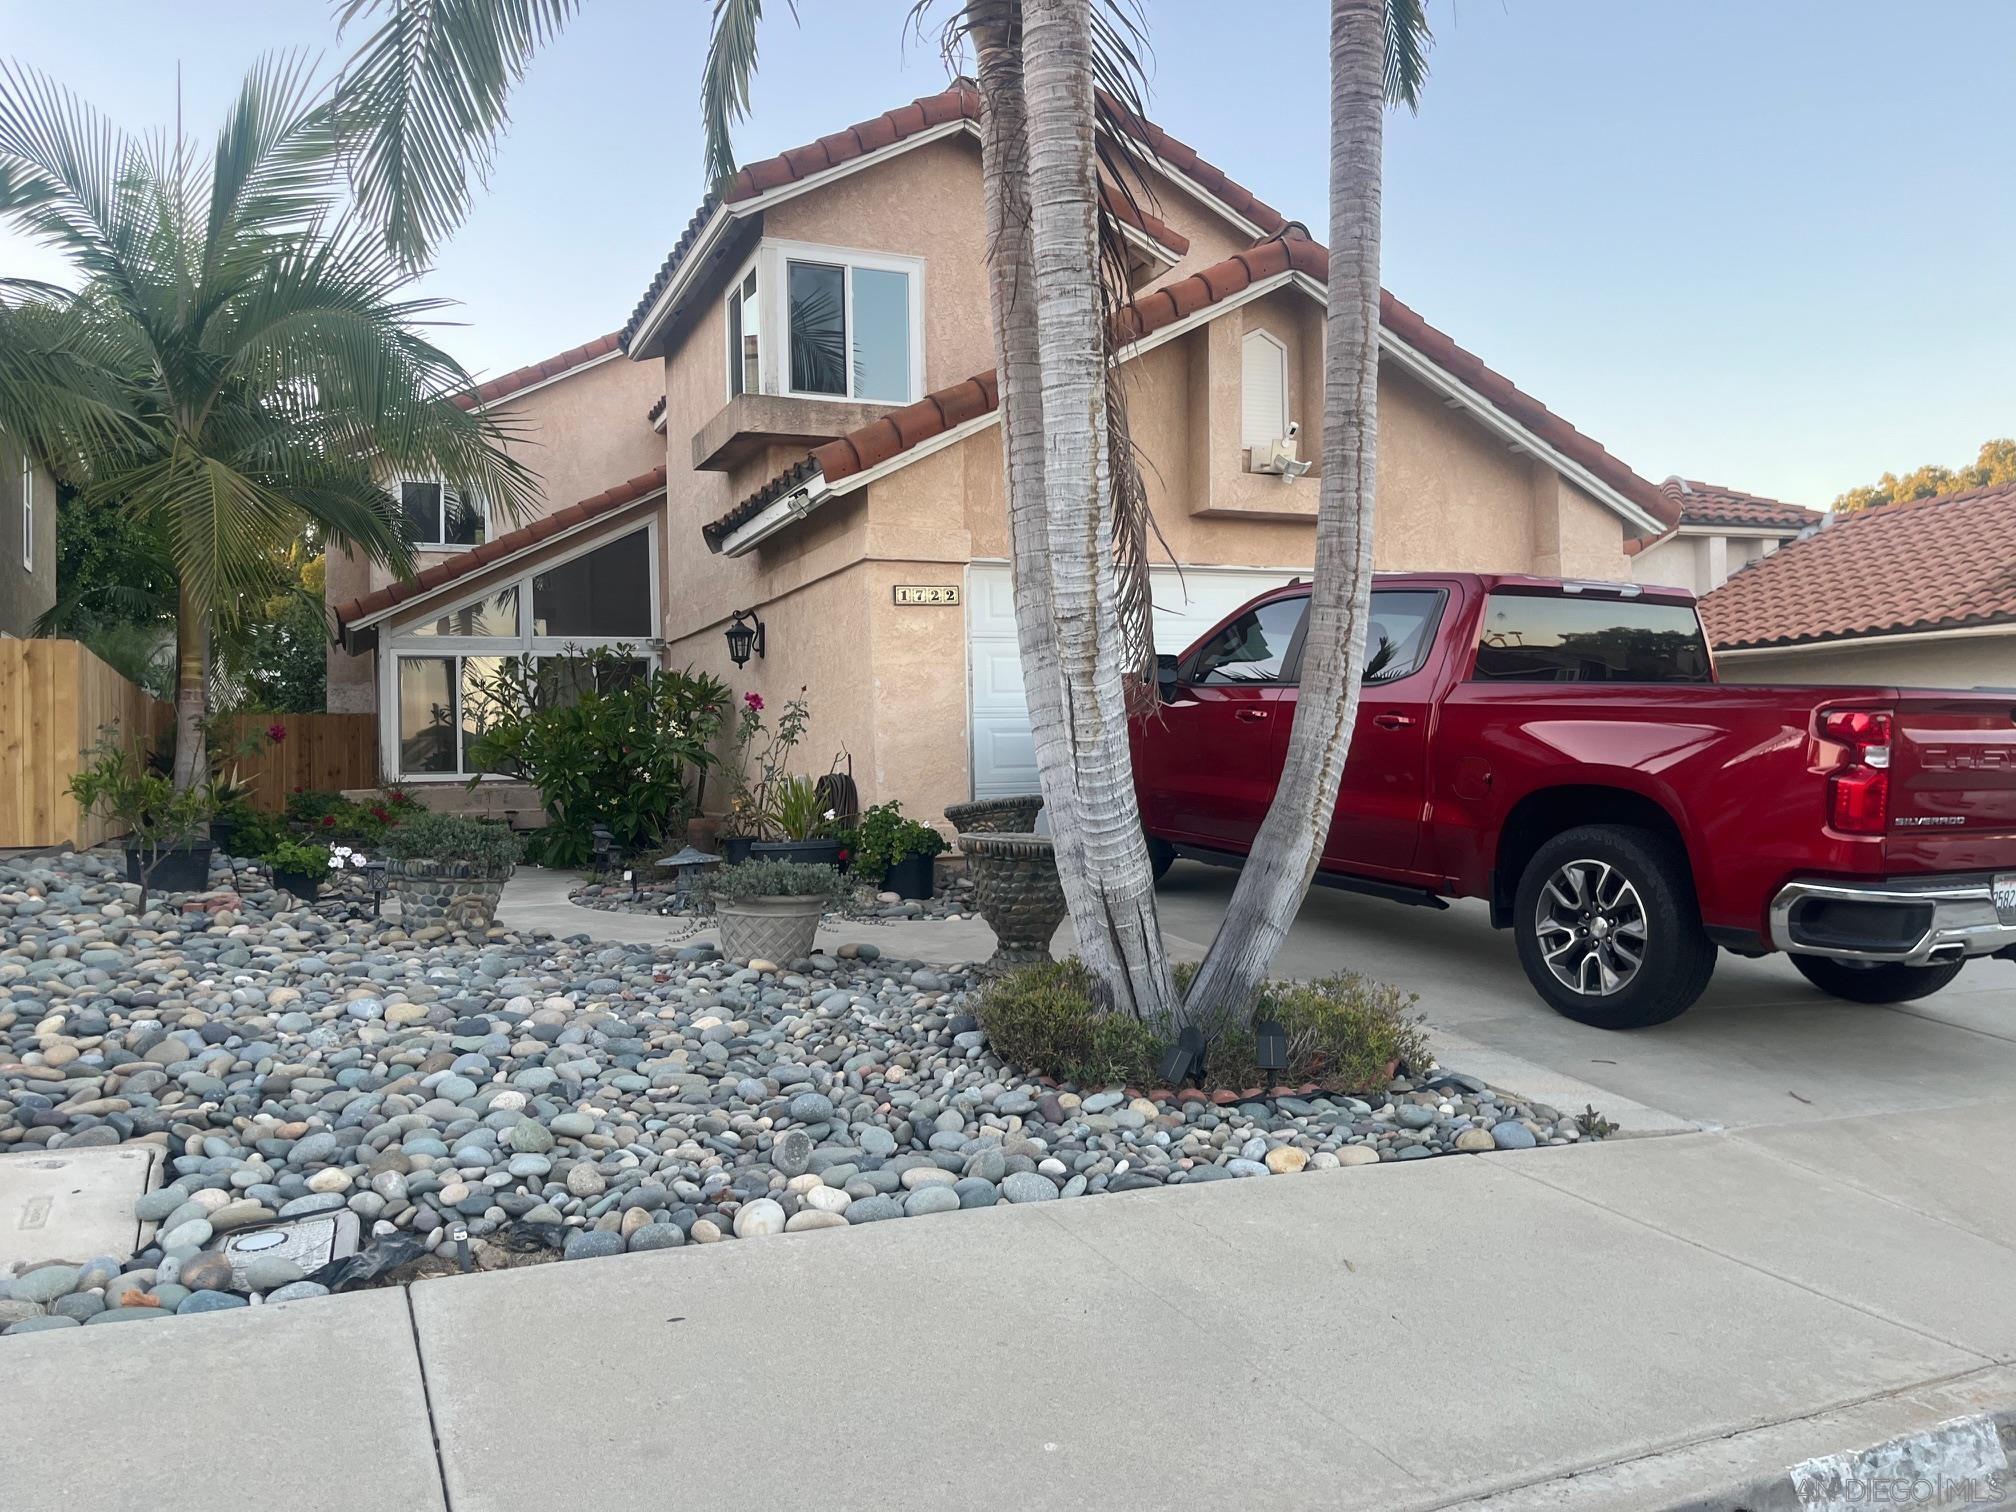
(926, 593)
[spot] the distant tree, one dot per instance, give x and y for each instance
(1996, 464)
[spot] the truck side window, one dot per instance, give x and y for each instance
(1535, 638)
(1401, 632)
(1254, 647)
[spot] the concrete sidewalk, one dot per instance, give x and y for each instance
(1628, 1325)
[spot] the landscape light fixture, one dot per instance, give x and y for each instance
(745, 635)
(603, 840)
(1184, 1060)
(1270, 1045)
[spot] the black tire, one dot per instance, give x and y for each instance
(1875, 981)
(1161, 856)
(1675, 958)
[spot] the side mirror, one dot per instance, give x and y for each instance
(1166, 680)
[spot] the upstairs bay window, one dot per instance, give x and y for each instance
(819, 322)
(438, 516)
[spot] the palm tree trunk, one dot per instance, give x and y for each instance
(192, 691)
(1284, 855)
(1088, 764)
(1011, 287)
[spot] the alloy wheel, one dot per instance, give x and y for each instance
(1591, 927)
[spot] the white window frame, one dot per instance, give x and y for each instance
(762, 335)
(1279, 352)
(399, 643)
(773, 333)
(27, 510)
(441, 518)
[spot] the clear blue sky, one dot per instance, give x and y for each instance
(1759, 242)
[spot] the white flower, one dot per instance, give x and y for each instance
(335, 861)
(832, 814)
(358, 859)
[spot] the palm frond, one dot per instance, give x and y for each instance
(1407, 42)
(423, 100)
(724, 82)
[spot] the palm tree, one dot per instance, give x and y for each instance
(1378, 53)
(241, 357)
(1077, 544)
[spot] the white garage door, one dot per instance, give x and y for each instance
(1004, 757)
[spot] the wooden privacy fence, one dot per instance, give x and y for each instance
(56, 699)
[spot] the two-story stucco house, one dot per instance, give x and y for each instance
(827, 459)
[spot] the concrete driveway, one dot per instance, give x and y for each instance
(1761, 1047)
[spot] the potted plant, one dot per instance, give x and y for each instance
(770, 910)
(167, 833)
(801, 819)
(896, 849)
(298, 866)
(738, 829)
(445, 869)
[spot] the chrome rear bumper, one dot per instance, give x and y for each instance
(1919, 921)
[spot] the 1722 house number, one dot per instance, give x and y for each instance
(926, 593)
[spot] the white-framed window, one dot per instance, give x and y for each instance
(27, 511)
(602, 595)
(437, 516)
(827, 323)
(1263, 390)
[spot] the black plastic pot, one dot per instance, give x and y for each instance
(307, 886)
(909, 878)
(805, 852)
(735, 848)
(224, 836)
(184, 868)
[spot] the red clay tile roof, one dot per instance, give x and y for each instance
(899, 430)
(640, 487)
(1214, 180)
(1920, 564)
(1712, 504)
(537, 372)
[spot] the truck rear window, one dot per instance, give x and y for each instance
(1529, 638)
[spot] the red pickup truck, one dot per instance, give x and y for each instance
(1564, 751)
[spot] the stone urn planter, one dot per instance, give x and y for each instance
(994, 816)
(779, 930)
(453, 893)
(1015, 882)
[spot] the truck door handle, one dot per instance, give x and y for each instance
(1249, 716)
(1394, 721)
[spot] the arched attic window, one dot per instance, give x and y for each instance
(1263, 390)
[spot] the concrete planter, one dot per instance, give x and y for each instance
(780, 930)
(1020, 896)
(995, 816)
(450, 893)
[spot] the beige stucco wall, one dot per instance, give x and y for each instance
(1950, 661)
(580, 434)
(25, 594)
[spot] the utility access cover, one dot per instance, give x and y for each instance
(310, 1242)
(72, 1204)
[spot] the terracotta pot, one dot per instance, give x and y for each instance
(704, 834)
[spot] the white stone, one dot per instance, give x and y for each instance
(1357, 1154)
(813, 1218)
(828, 1199)
(758, 1219)
(921, 1176)
(329, 1180)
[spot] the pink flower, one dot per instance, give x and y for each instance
(755, 702)
(276, 732)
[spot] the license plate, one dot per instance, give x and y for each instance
(2005, 897)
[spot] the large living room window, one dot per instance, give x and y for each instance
(603, 596)
(825, 323)
(438, 516)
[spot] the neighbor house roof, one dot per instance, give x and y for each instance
(898, 431)
(960, 102)
(643, 486)
(506, 384)
(1920, 564)
(1712, 504)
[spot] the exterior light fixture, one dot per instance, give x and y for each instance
(690, 869)
(1184, 1060)
(1270, 1045)
(603, 841)
(745, 635)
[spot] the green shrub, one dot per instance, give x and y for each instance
(296, 856)
(885, 837)
(603, 743)
(771, 879)
(1343, 1032)
(1043, 1017)
(454, 839)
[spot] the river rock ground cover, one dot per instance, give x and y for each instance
(954, 899)
(536, 1094)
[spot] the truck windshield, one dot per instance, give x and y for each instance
(1532, 638)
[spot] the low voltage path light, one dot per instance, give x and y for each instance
(689, 868)
(1270, 1045)
(745, 637)
(1184, 1060)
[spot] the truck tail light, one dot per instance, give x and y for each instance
(1858, 792)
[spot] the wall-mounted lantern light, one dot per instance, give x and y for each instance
(745, 635)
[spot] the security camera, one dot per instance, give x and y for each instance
(1294, 430)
